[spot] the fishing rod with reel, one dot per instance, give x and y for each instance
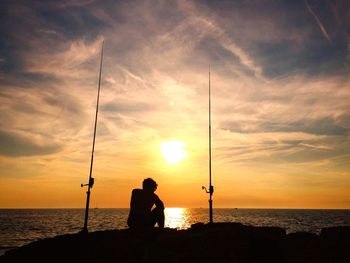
(210, 191)
(91, 179)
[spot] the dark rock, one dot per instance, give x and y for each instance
(218, 242)
(335, 244)
(300, 247)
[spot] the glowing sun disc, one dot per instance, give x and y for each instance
(173, 151)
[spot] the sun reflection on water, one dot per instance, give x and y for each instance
(177, 218)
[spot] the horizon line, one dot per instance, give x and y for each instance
(257, 208)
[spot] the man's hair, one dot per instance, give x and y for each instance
(149, 183)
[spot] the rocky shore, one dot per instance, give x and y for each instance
(218, 242)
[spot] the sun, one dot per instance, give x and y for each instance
(173, 151)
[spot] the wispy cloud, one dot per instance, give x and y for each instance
(47, 31)
(318, 21)
(70, 63)
(323, 126)
(14, 145)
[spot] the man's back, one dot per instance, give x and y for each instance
(142, 201)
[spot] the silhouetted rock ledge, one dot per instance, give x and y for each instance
(218, 242)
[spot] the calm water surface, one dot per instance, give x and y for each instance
(22, 226)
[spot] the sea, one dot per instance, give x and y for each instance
(22, 226)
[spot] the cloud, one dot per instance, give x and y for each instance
(323, 30)
(310, 151)
(209, 27)
(47, 31)
(324, 126)
(124, 107)
(14, 145)
(77, 3)
(71, 62)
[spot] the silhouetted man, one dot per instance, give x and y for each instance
(141, 214)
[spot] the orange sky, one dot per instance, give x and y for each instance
(280, 102)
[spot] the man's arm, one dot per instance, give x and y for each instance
(158, 202)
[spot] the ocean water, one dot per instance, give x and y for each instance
(22, 226)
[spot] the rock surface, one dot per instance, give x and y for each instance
(218, 242)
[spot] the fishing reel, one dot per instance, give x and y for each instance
(90, 184)
(210, 191)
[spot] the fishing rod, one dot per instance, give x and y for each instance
(211, 187)
(91, 179)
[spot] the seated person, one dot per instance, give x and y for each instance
(141, 214)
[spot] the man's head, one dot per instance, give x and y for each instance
(149, 185)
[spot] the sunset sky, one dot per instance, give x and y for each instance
(280, 102)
